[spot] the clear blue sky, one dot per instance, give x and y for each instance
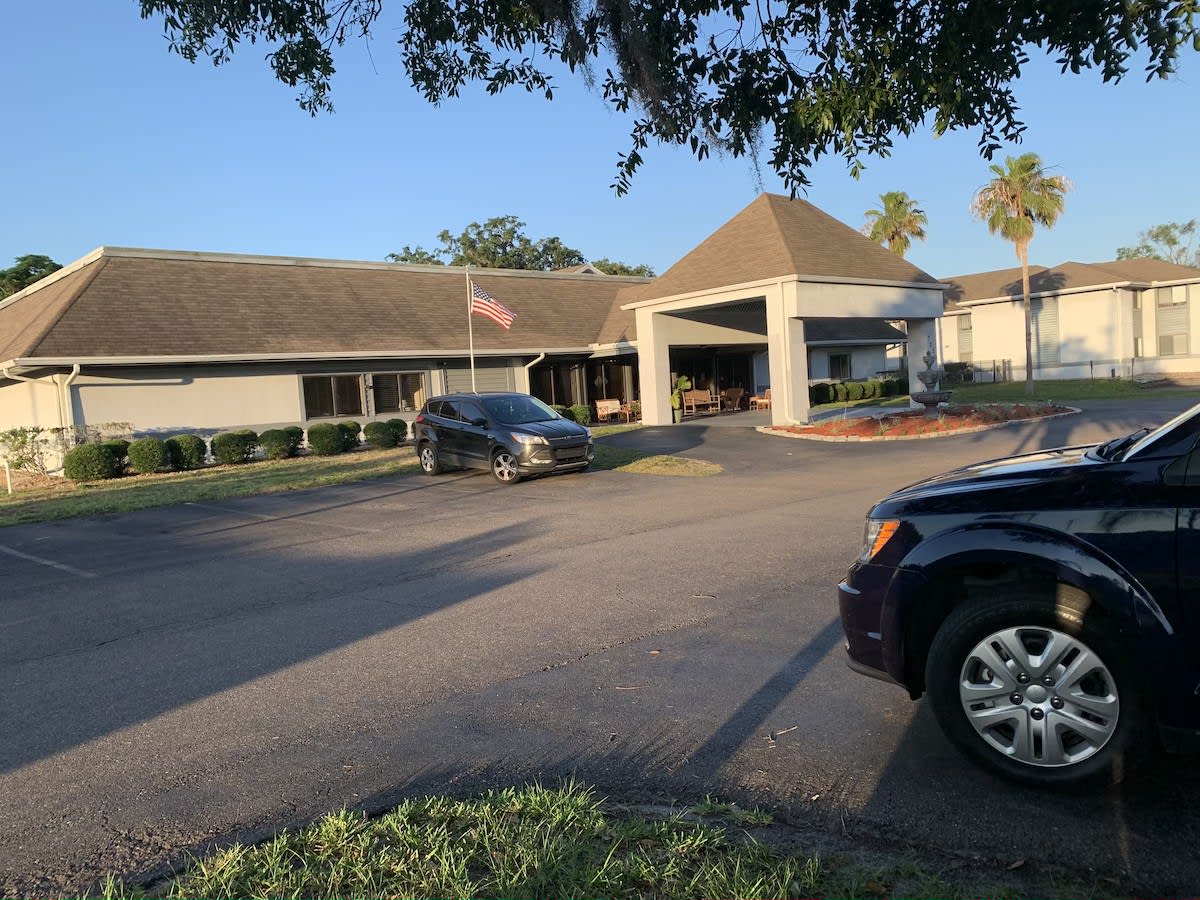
(114, 140)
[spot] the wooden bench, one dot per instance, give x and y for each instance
(607, 409)
(700, 401)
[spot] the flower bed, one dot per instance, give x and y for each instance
(914, 422)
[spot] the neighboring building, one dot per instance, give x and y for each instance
(171, 341)
(1126, 317)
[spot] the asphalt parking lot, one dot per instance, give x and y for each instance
(178, 676)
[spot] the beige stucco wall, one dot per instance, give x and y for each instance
(188, 398)
(22, 404)
(865, 362)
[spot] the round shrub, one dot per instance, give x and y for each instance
(90, 462)
(186, 451)
(295, 437)
(839, 392)
(821, 393)
(234, 447)
(148, 454)
(326, 439)
(350, 432)
(854, 390)
(870, 389)
(379, 435)
(567, 412)
(118, 448)
(582, 413)
(399, 429)
(276, 444)
(888, 386)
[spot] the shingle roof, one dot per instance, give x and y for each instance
(1063, 277)
(152, 304)
(865, 331)
(775, 237)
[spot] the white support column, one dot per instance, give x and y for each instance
(654, 367)
(922, 336)
(787, 358)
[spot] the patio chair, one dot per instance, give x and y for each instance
(607, 409)
(763, 402)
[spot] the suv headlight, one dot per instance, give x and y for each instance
(878, 533)
(532, 440)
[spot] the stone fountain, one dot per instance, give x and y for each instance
(931, 396)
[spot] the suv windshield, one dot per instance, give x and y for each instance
(518, 410)
(1143, 444)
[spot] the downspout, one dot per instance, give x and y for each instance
(528, 367)
(66, 405)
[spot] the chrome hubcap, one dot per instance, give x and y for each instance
(505, 467)
(1039, 696)
(427, 458)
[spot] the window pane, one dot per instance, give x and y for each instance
(318, 397)
(347, 396)
(412, 390)
(387, 393)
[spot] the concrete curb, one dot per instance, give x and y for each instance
(842, 439)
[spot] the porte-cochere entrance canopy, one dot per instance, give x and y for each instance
(755, 280)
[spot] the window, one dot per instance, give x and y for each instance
(966, 338)
(1173, 320)
(332, 395)
(397, 392)
(839, 365)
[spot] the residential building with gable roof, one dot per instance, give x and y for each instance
(173, 341)
(1125, 317)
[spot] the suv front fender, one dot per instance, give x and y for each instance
(1060, 556)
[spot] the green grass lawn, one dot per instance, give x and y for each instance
(1059, 391)
(874, 401)
(541, 842)
(58, 498)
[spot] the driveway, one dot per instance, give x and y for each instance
(212, 671)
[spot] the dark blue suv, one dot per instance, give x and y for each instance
(1048, 604)
(511, 435)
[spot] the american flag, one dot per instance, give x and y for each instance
(485, 304)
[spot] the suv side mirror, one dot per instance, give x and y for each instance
(479, 422)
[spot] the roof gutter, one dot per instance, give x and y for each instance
(66, 412)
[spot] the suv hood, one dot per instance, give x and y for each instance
(551, 428)
(1013, 473)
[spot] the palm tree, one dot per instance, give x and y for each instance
(897, 223)
(1019, 196)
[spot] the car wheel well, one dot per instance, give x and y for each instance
(953, 588)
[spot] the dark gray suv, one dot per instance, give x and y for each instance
(512, 435)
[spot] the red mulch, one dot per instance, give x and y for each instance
(914, 421)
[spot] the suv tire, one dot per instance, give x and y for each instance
(504, 467)
(431, 463)
(1037, 690)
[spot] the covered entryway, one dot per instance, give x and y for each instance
(751, 285)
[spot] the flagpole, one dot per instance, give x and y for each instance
(471, 330)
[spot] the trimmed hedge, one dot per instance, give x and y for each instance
(350, 432)
(821, 392)
(854, 390)
(186, 451)
(326, 439)
(277, 444)
(119, 449)
(91, 462)
(148, 454)
(567, 412)
(234, 447)
(582, 413)
(295, 437)
(399, 429)
(379, 435)
(839, 392)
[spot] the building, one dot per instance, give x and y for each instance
(172, 341)
(1127, 318)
